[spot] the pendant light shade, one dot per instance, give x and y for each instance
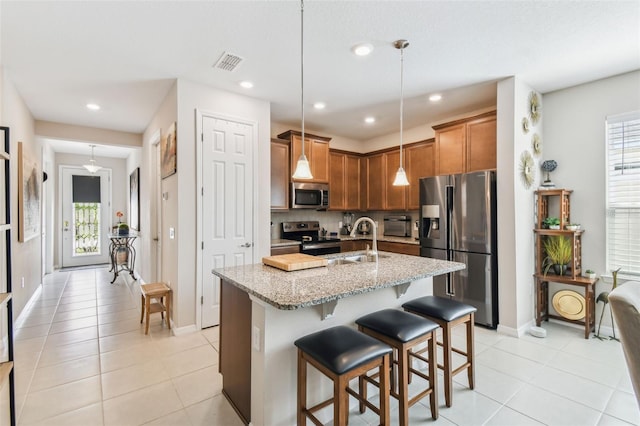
(401, 176)
(92, 166)
(303, 169)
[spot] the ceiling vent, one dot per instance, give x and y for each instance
(228, 62)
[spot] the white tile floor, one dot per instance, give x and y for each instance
(82, 358)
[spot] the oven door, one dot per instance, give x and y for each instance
(315, 248)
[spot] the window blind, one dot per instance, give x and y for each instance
(623, 193)
(86, 189)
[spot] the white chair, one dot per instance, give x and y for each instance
(625, 305)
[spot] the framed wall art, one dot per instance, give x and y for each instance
(28, 196)
(134, 199)
(168, 150)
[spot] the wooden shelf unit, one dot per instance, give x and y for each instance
(561, 198)
(6, 301)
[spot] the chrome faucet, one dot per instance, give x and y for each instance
(374, 252)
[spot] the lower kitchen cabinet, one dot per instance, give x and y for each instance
(354, 245)
(285, 250)
(402, 248)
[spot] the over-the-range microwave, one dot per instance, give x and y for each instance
(309, 195)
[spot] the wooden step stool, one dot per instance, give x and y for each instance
(162, 295)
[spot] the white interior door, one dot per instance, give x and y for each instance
(227, 205)
(85, 231)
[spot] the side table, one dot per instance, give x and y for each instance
(122, 244)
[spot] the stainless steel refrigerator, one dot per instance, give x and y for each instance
(458, 223)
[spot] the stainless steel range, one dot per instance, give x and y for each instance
(308, 233)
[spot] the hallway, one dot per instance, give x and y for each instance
(82, 358)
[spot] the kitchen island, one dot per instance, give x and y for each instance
(264, 310)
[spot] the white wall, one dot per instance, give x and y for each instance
(574, 136)
(179, 209)
(16, 115)
(150, 213)
(515, 209)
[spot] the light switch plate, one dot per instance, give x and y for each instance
(172, 233)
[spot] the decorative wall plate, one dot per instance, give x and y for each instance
(525, 125)
(527, 172)
(534, 108)
(536, 144)
(569, 304)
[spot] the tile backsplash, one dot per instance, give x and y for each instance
(330, 220)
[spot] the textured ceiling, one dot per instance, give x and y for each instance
(125, 55)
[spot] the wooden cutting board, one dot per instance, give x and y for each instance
(294, 261)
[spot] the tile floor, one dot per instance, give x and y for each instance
(82, 359)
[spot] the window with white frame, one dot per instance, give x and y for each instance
(623, 193)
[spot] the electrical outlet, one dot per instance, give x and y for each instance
(22, 282)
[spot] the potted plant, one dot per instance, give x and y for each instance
(551, 223)
(589, 273)
(558, 250)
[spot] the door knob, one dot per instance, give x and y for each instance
(246, 245)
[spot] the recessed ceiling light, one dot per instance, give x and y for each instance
(369, 120)
(435, 97)
(93, 107)
(246, 84)
(319, 105)
(362, 49)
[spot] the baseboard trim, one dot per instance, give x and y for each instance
(179, 331)
(17, 322)
(514, 332)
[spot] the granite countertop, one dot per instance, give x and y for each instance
(403, 240)
(284, 243)
(309, 287)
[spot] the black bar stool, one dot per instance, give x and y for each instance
(342, 354)
(448, 314)
(404, 331)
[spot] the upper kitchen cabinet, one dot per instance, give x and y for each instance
(395, 196)
(419, 161)
(280, 174)
(317, 151)
(481, 144)
(344, 180)
(466, 145)
(375, 178)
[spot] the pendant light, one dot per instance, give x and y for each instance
(303, 170)
(92, 166)
(401, 176)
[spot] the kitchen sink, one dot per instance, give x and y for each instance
(359, 258)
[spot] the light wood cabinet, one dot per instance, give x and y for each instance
(317, 151)
(466, 145)
(280, 174)
(402, 248)
(481, 144)
(344, 181)
(375, 176)
(354, 245)
(285, 250)
(419, 162)
(395, 196)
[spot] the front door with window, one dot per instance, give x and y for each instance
(86, 205)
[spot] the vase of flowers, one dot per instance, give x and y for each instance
(122, 228)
